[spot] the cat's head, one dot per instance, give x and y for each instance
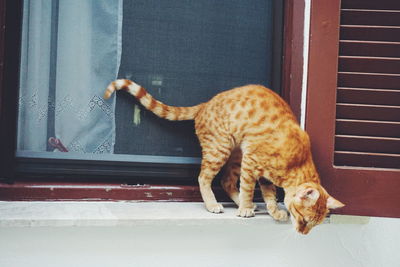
(308, 204)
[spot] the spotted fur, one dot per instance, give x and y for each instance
(253, 132)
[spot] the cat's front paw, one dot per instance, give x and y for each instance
(280, 215)
(215, 208)
(245, 212)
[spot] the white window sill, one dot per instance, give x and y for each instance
(73, 213)
(62, 213)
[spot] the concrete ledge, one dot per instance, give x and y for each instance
(64, 234)
(29, 214)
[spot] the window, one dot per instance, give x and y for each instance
(221, 47)
(354, 131)
(182, 52)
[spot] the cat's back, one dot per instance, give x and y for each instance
(251, 102)
(251, 110)
(246, 91)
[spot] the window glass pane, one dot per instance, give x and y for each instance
(182, 52)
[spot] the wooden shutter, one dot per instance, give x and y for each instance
(368, 94)
(353, 102)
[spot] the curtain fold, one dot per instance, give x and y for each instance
(71, 50)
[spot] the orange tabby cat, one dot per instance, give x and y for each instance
(253, 132)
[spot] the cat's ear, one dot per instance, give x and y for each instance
(333, 203)
(309, 195)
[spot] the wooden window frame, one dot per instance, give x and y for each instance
(365, 191)
(77, 188)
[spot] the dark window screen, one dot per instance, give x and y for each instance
(183, 53)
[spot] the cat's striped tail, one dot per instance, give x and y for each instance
(160, 109)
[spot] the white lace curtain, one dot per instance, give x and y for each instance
(71, 50)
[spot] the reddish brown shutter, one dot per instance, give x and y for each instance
(360, 118)
(368, 95)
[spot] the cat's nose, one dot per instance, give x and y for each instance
(304, 230)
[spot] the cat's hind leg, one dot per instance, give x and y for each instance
(268, 191)
(231, 175)
(213, 159)
(248, 179)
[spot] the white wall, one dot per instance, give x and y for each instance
(184, 234)
(374, 244)
(307, 16)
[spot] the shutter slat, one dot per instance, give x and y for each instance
(368, 96)
(363, 159)
(363, 4)
(367, 144)
(370, 17)
(369, 64)
(367, 128)
(369, 48)
(388, 33)
(368, 80)
(367, 132)
(367, 112)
